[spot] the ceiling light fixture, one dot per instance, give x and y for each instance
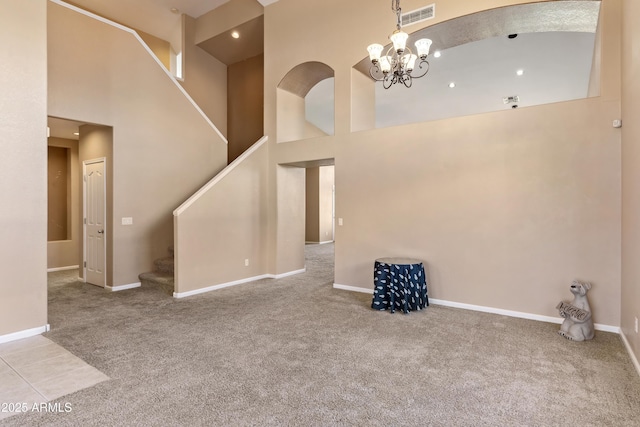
(399, 62)
(174, 10)
(520, 72)
(452, 85)
(235, 35)
(437, 54)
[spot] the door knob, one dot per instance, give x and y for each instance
(100, 231)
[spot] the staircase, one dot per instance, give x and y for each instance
(162, 274)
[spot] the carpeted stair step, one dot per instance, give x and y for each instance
(156, 279)
(164, 265)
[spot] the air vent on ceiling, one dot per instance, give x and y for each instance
(419, 15)
(511, 99)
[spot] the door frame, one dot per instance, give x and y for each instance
(84, 216)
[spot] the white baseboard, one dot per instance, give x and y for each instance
(290, 273)
(220, 286)
(518, 314)
(634, 359)
(324, 242)
(123, 287)
(492, 310)
(236, 282)
(69, 267)
(24, 334)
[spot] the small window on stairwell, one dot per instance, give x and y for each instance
(178, 72)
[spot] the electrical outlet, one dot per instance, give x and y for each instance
(636, 325)
(127, 220)
(246, 262)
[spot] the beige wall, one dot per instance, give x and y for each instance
(631, 173)
(312, 205)
(290, 202)
(66, 253)
(58, 188)
(319, 204)
(326, 182)
(506, 208)
(245, 104)
(163, 149)
(292, 121)
(204, 78)
(23, 165)
(224, 226)
(161, 48)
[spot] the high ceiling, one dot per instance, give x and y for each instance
(572, 52)
(152, 16)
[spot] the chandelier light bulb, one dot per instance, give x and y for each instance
(423, 46)
(374, 52)
(410, 62)
(385, 64)
(399, 39)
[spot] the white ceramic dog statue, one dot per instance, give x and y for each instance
(578, 323)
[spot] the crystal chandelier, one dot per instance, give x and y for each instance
(398, 65)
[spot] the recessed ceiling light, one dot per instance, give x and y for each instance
(520, 72)
(452, 85)
(174, 10)
(235, 35)
(437, 54)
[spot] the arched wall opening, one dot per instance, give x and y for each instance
(306, 102)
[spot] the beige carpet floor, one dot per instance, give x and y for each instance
(297, 352)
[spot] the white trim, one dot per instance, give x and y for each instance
(510, 313)
(123, 287)
(324, 242)
(223, 285)
(69, 267)
(353, 288)
(290, 273)
(24, 334)
(235, 282)
(195, 196)
(518, 314)
(632, 355)
(153, 55)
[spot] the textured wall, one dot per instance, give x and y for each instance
(163, 148)
(631, 174)
(67, 253)
(506, 208)
(23, 165)
(223, 227)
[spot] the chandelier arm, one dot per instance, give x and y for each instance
(423, 63)
(375, 72)
(407, 80)
(387, 82)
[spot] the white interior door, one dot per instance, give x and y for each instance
(95, 213)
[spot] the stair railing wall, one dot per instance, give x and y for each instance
(163, 147)
(220, 233)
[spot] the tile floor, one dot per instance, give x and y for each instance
(36, 370)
